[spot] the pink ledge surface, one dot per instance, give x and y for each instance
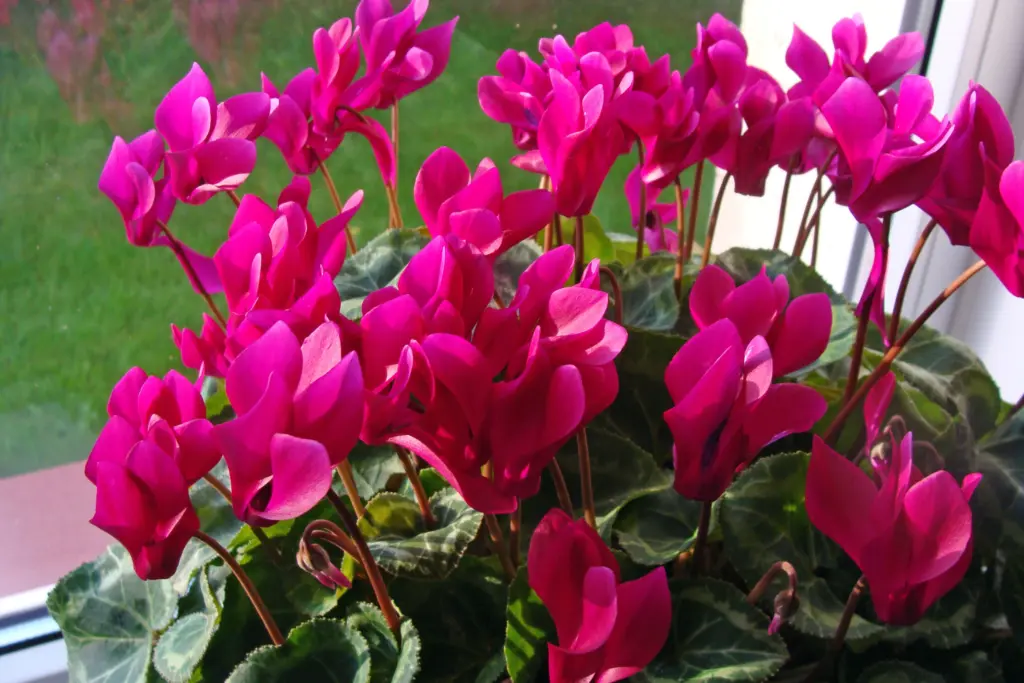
(44, 524)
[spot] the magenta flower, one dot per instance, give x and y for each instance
(290, 127)
(400, 59)
(797, 331)
(168, 412)
(872, 297)
(982, 136)
(299, 410)
(658, 214)
(128, 179)
(676, 146)
(911, 536)
(211, 146)
(997, 233)
(475, 208)
(517, 97)
(608, 629)
(726, 408)
(876, 403)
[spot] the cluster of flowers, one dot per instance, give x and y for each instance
(486, 391)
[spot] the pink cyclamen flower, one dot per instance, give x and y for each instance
(982, 137)
(676, 145)
(128, 178)
(156, 444)
(517, 97)
(476, 208)
(726, 408)
(797, 331)
(290, 127)
(211, 146)
(299, 409)
(658, 214)
(876, 403)
(400, 59)
(608, 629)
(997, 232)
(910, 536)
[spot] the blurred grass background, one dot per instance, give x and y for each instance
(80, 305)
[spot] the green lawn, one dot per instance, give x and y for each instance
(81, 306)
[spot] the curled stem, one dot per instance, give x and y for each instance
(758, 591)
(897, 347)
(680, 237)
(578, 246)
(616, 291)
(247, 585)
(561, 489)
(192, 275)
(701, 543)
(586, 484)
(333, 190)
(691, 232)
(409, 465)
(782, 206)
(901, 293)
(643, 203)
(380, 590)
(786, 602)
(713, 221)
(498, 545)
(348, 480)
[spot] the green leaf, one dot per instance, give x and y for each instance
(373, 467)
(529, 630)
(492, 670)
(648, 291)
(510, 265)
(389, 662)
(898, 672)
(1001, 461)
(216, 518)
(764, 521)
(394, 531)
(218, 408)
(110, 619)
(716, 637)
(432, 483)
(183, 645)
(623, 247)
(744, 264)
(596, 244)
(976, 667)
(656, 528)
(319, 650)
(376, 265)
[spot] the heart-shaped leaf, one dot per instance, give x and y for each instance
(529, 630)
(716, 637)
(394, 531)
(216, 518)
(656, 528)
(325, 650)
(182, 646)
(390, 662)
(373, 467)
(648, 291)
(376, 265)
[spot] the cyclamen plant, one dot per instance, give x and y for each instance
(533, 431)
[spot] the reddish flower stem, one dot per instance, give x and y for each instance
(396, 212)
(326, 530)
(234, 198)
(193, 276)
(805, 230)
(897, 347)
(247, 585)
(515, 523)
(680, 237)
(333, 190)
(643, 203)
(498, 545)
(380, 589)
(713, 221)
(561, 489)
(348, 480)
(578, 246)
(394, 138)
(586, 483)
(691, 233)
(782, 206)
(758, 591)
(814, 243)
(559, 237)
(701, 542)
(836, 645)
(901, 293)
(616, 291)
(549, 229)
(417, 487)
(815, 192)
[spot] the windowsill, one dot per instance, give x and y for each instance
(44, 524)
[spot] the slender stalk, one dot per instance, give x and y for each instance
(840, 635)
(805, 230)
(643, 203)
(680, 237)
(348, 480)
(713, 221)
(779, 567)
(393, 202)
(225, 493)
(380, 590)
(897, 347)
(394, 138)
(193, 276)
(326, 530)
(559, 237)
(549, 229)
(234, 198)
(515, 523)
(616, 291)
(814, 193)
(700, 544)
(561, 489)
(333, 190)
(578, 247)
(691, 232)
(814, 243)
(417, 487)
(586, 483)
(498, 544)
(782, 206)
(247, 585)
(901, 293)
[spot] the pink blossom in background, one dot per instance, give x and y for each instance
(608, 629)
(910, 536)
(659, 230)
